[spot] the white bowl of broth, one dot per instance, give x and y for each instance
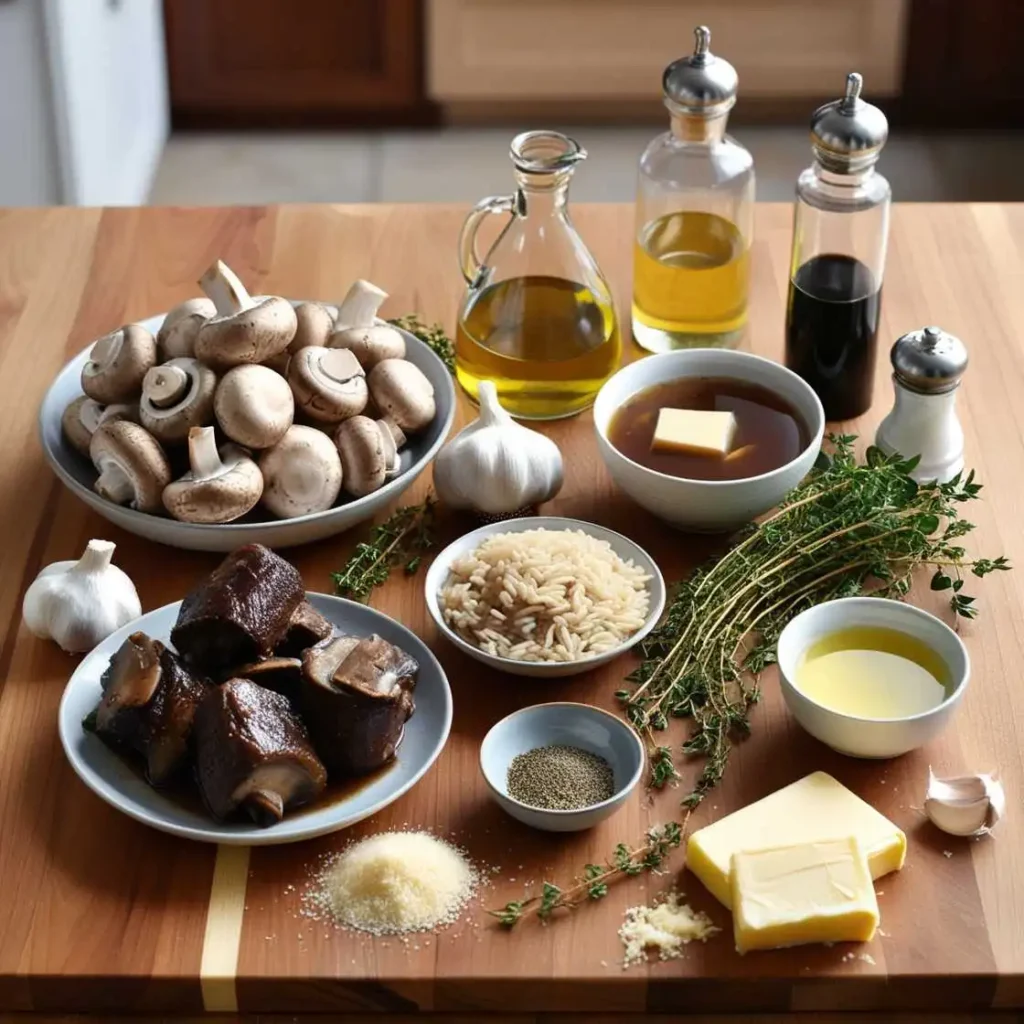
(779, 427)
(872, 677)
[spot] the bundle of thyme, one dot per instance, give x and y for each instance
(434, 337)
(593, 885)
(848, 529)
(401, 539)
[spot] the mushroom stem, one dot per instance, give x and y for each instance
(222, 286)
(114, 484)
(96, 557)
(165, 385)
(91, 414)
(203, 456)
(360, 305)
(105, 349)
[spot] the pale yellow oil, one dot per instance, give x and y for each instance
(547, 343)
(690, 278)
(872, 672)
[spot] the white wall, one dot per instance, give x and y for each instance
(29, 169)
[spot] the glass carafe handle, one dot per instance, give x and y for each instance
(468, 259)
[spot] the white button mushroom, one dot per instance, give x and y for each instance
(117, 363)
(82, 416)
(254, 406)
(301, 473)
(369, 454)
(176, 396)
(315, 322)
(132, 467)
(402, 392)
(177, 335)
(219, 486)
(328, 384)
(358, 330)
(245, 329)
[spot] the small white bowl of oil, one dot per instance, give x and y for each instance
(872, 677)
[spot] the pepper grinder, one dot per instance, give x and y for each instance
(927, 368)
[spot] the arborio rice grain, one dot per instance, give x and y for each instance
(545, 595)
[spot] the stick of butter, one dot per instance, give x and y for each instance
(697, 431)
(813, 809)
(808, 892)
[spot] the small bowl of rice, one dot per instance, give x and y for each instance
(544, 596)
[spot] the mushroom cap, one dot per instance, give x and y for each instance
(329, 384)
(315, 322)
(82, 416)
(218, 497)
(177, 335)
(117, 363)
(254, 406)
(402, 393)
(192, 408)
(132, 466)
(251, 336)
(370, 344)
(365, 455)
(301, 473)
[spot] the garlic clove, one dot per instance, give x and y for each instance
(968, 805)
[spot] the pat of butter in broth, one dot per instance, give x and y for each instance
(807, 892)
(699, 431)
(813, 809)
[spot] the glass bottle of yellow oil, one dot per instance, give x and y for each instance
(695, 213)
(538, 317)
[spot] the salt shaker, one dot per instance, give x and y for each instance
(927, 368)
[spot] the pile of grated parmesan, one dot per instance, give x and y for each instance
(665, 927)
(394, 882)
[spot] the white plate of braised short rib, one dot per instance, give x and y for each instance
(120, 777)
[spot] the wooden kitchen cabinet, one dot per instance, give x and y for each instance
(267, 62)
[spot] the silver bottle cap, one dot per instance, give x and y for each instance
(929, 361)
(701, 83)
(848, 134)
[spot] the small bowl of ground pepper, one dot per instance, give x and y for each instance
(561, 767)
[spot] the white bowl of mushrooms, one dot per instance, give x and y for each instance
(239, 419)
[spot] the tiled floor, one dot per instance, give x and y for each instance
(464, 164)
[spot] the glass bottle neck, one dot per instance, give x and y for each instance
(543, 194)
(694, 128)
(846, 180)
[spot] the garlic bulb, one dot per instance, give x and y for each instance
(969, 805)
(78, 604)
(495, 466)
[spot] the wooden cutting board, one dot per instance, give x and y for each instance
(100, 913)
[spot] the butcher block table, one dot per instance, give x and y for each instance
(100, 914)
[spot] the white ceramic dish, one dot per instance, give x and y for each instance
(574, 725)
(438, 573)
(868, 737)
(113, 779)
(77, 473)
(706, 505)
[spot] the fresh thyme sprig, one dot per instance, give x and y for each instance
(434, 337)
(848, 529)
(401, 539)
(593, 885)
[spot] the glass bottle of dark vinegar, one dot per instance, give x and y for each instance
(840, 233)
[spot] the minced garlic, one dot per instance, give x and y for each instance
(665, 927)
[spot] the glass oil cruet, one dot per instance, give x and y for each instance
(695, 213)
(538, 317)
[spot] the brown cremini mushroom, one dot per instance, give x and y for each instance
(117, 363)
(402, 393)
(219, 486)
(177, 335)
(245, 329)
(176, 396)
(254, 406)
(132, 467)
(369, 454)
(301, 473)
(82, 416)
(329, 384)
(358, 329)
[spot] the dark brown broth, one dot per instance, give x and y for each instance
(769, 432)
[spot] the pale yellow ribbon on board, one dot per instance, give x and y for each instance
(223, 936)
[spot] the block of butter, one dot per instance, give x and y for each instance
(697, 431)
(813, 809)
(808, 892)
